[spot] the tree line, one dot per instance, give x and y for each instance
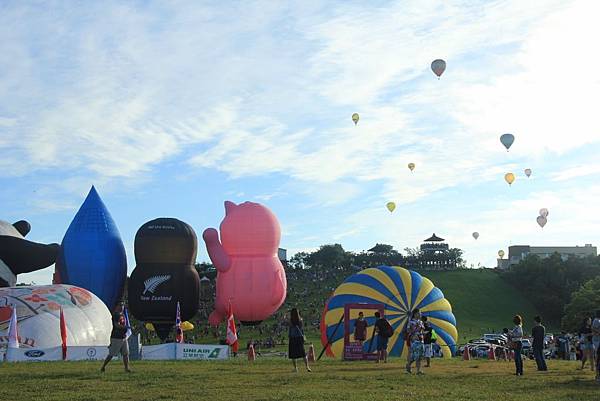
(563, 291)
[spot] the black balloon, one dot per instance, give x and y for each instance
(165, 253)
(21, 255)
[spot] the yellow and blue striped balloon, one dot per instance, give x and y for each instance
(401, 291)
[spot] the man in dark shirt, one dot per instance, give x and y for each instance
(360, 328)
(118, 341)
(538, 332)
(381, 328)
(427, 341)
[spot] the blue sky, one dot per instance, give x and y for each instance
(171, 109)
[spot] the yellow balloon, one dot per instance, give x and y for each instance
(411, 166)
(501, 253)
(149, 326)
(391, 206)
(509, 177)
(355, 118)
(187, 326)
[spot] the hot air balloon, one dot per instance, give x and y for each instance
(507, 140)
(411, 166)
(391, 206)
(400, 291)
(475, 235)
(355, 118)
(250, 275)
(92, 254)
(165, 253)
(509, 177)
(87, 318)
(501, 253)
(528, 172)
(544, 212)
(541, 220)
(438, 67)
(187, 326)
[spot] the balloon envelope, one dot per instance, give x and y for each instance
(509, 177)
(528, 172)
(541, 220)
(187, 326)
(165, 252)
(411, 166)
(87, 318)
(391, 206)
(544, 212)
(475, 235)
(501, 253)
(507, 140)
(401, 291)
(438, 67)
(92, 254)
(355, 118)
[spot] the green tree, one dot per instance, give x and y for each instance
(584, 303)
(331, 256)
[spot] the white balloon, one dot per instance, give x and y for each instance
(544, 212)
(475, 235)
(541, 220)
(87, 319)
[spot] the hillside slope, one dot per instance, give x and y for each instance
(482, 301)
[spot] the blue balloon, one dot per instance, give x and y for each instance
(92, 253)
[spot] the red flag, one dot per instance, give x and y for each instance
(63, 334)
(232, 338)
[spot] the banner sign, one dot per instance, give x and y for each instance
(33, 354)
(185, 351)
(199, 351)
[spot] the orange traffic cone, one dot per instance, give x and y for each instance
(251, 353)
(466, 354)
(311, 353)
(492, 354)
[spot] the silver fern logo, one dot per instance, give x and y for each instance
(151, 283)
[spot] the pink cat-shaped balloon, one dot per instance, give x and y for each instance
(249, 273)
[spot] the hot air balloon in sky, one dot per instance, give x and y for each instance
(391, 206)
(501, 253)
(87, 318)
(507, 140)
(400, 291)
(509, 178)
(411, 166)
(541, 220)
(438, 67)
(355, 118)
(528, 172)
(165, 253)
(544, 212)
(475, 235)
(92, 255)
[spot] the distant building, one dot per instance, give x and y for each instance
(282, 255)
(517, 253)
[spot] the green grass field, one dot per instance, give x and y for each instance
(481, 300)
(273, 379)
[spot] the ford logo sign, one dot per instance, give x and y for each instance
(34, 353)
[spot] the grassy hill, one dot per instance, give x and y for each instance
(482, 301)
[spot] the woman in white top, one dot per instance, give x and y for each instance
(516, 335)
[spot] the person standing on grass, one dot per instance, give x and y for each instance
(427, 341)
(538, 332)
(384, 331)
(118, 341)
(415, 331)
(296, 340)
(360, 328)
(596, 337)
(586, 344)
(516, 336)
